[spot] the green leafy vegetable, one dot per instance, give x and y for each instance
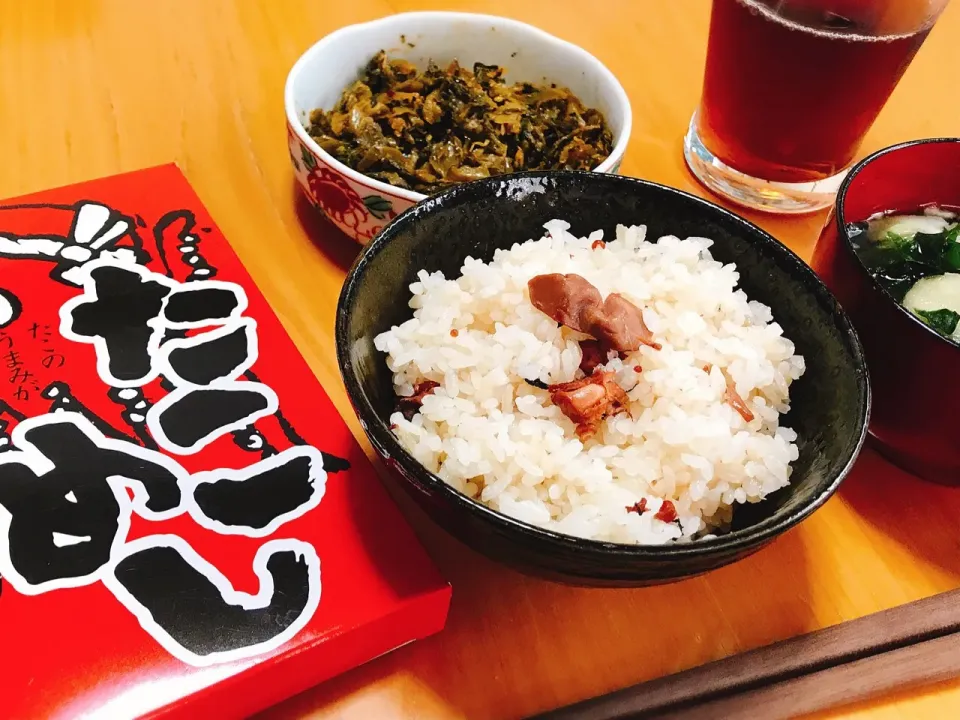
(952, 257)
(931, 249)
(943, 321)
(899, 261)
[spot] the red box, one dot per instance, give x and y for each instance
(187, 526)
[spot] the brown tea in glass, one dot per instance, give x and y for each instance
(790, 89)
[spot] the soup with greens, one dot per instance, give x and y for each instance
(916, 257)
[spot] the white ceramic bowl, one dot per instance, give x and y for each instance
(360, 206)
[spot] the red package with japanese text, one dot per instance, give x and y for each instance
(187, 526)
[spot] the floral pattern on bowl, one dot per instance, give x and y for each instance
(358, 210)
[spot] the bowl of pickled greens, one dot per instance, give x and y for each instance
(384, 114)
(890, 253)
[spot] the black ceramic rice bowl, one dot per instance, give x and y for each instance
(830, 403)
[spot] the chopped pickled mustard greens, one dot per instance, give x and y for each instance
(424, 131)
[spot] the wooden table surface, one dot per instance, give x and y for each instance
(95, 87)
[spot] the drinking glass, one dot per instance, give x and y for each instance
(790, 89)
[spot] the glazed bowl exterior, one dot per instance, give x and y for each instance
(909, 362)
(360, 206)
(830, 403)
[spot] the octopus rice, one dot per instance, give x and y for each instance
(516, 400)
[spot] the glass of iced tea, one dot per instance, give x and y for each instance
(790, 89)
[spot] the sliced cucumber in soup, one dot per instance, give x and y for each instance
(906, 226)
(936, 300)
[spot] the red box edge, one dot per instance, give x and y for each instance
(287, 675)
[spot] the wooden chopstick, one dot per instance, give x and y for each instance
(911, 666)
(810, 655)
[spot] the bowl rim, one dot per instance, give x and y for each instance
(743, 539)
(616, 152)
(838, 218)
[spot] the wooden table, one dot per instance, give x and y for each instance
(94, 87)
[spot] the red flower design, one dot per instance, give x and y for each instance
(335, 196)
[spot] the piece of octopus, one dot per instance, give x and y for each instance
(586, 402)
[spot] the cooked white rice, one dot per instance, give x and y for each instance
(500, 440)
